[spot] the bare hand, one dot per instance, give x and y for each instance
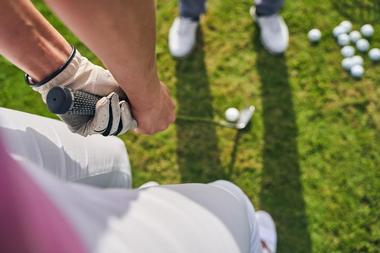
(157, 114)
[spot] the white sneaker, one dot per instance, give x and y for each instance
(274, 33)
(182, 36)
(267, 231)
(149, 184)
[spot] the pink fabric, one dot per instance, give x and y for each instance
(29, 222)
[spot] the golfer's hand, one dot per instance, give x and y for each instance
(112, 116)
(159, 113)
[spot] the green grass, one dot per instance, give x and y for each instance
(312, 155)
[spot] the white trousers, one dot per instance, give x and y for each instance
(187, 218)
(95, 160)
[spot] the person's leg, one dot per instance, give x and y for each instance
(255, 242)
(268, 7)
(95, 160)
(185, 218)
(183, 32)
(192, 8)
(274, 31)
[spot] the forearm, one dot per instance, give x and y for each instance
(29, 41)
(122, 35)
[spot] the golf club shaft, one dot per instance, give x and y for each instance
(204, 120)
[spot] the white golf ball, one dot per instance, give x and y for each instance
(343, 40)
(347, 51)
(347, 26)
(355, 36)
(314, 35)
(374, 54)
(357, 71)
(357, 60)
(232, 114)
(362, 45)
(338, 31)
(347, 63)
(367, 30)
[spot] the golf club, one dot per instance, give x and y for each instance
(63, 100)
(244, 119)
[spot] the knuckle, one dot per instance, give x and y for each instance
(173, 118)
(150, 132)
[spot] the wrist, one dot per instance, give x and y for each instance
(50, 57)
(147, 97)
(47, 78)
(139, 80)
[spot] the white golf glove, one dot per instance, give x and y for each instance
(112, 116)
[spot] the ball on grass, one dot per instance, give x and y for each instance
(367, 30)
(357, 60)
(355, 36)
(374, 54)
(347, 51)
(314, 35)
(347, 63)
(357, 71)
(347, 26)
(232, 114)
(362, 45)
(338, 31)
(343, 40)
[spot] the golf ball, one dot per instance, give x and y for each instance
(374, 54)
(355, 36)
(347, 26)
(314, 35)
(357, 71)
(367, 30)
(357, 60)
(343, 39)
(232, 114)
(347, 63)
(338, 31)
(362, 45)
(347, 51)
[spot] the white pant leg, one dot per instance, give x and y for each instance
(239, 194)
(187, 218)
(94, 160)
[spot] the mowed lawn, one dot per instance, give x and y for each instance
(312, 155)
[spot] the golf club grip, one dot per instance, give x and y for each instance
(63, 100)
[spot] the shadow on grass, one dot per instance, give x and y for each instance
(197, 146)
(281, 189)
(359, 10)
(235, 147)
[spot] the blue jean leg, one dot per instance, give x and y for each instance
(192, 8)
(268, 7)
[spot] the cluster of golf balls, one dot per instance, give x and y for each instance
(351, 41)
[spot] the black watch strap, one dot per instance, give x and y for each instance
(30, 81)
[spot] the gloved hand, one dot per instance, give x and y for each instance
(112, 116)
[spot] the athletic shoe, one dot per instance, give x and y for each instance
(149, 184)
(274, 32)
(267, 231)
(182, 36)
